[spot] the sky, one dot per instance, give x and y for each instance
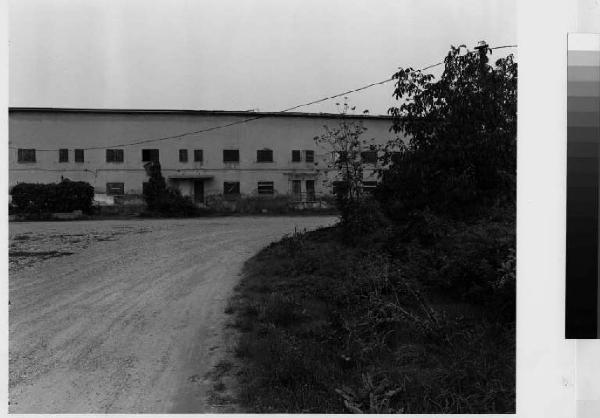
(265, 55)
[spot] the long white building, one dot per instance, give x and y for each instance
(270, 154)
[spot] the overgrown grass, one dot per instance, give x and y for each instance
(331, 328)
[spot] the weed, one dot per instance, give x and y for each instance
(331, 328)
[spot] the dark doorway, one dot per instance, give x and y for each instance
(199, 191)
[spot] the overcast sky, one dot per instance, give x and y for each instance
(234, 55)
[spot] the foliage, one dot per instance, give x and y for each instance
(362, 218)
(163, 200)
(328, 328)
(418, 315)
(346, 143)
(66, 196)
(469, 261)
(461, 155)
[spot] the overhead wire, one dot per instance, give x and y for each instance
(246, 120)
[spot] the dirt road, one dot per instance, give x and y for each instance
(125, 316)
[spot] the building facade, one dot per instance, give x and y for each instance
(259, 153)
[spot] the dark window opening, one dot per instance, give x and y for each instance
(296, 156)
(115, 189)
(369, 157)
(183, 156)
(26, 155)
(309, 156)
(63, 155)
(231, 156)
(396, 157)
(198, 155)
(114, 155)
(150, 155)
(265, 187)
(231, 188)
(145, 186)
(369, 186)
(264, 156)
(79, 155)
(310, 190)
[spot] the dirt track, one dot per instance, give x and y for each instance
(125, 316)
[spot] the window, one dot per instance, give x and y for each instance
(396, 156)
(145, 186)
(114, 155)
(26, 155)
(369, 157)
(115, 189)
(198, 155)
(231, 188)
(183, 156)
(265, 187)
(309, 156)
(63, 155)
(150, 155)
(296, 187)
(231, 156)
(369, 186)
(264, 156)
(79, 156)
(310, 190)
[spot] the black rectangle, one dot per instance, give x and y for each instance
(114, 156)
(231, 156)
(115, 189)
(79, 156)
(63, 155)
(183, 156)
(264, 156)
(150, 155)
(26, 155)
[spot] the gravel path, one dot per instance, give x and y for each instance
(125, 316)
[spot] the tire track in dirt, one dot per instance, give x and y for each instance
(123, 325)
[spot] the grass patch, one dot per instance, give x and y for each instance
(331, 328)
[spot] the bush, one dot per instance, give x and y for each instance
(278, 204)
(172, 203)
(361, 218)
(163, 200)
(66, 196)
(331, 328)
(473, 261)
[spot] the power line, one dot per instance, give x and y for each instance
(243, 121)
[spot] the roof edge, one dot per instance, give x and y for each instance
(192, 112)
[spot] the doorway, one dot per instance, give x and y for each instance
(199, 191)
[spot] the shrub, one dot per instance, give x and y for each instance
(278, 204)
(163, 200)
(65, 196)
(331, 328)
(361, 218)
(461, 156)
(474, 261)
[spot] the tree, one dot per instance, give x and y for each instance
(346, 143)
(163, 200)
(156, 188)
(461, 155)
